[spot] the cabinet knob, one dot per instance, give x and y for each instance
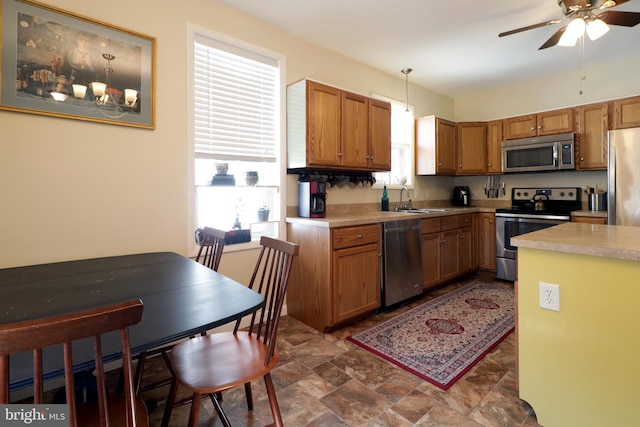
(582, 159)
(359, 236)
(339, 154)
(460, 166)
(439, 164)
(490, 221)
(490, 165)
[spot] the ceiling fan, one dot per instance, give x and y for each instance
(582, 17)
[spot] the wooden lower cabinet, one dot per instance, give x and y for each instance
(356, 281)
(336, 276)
(589, 219)
(487, 241)
(448, 248)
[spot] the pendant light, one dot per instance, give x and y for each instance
(406, 72)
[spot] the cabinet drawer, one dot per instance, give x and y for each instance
(355, 236)
(465, 220)
(450, 222)
(430, 225)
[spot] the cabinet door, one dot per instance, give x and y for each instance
(471, 155)
(556, 121)
(356, 281)
(323, 125)
(626, 113)
(431, 260)
(592, 123)
(589, 220)
(520, 127)
(379, 135)
(494, 148)
(355, 131)
(445, 147)
(450, 247)
(487, 242)
(466, 250)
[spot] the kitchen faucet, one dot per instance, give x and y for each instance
(407, 205)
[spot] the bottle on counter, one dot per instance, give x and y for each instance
(385, 199)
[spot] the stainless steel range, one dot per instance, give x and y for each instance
(531, 209)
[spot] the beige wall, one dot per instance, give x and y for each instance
(73, 190)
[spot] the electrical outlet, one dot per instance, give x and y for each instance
(550, 296)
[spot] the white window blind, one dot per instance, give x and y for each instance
(236, 97)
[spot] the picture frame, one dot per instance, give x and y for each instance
(61, 64)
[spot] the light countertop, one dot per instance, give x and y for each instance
(363, 218)
(609, 241)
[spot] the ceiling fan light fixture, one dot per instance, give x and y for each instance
(575, 29)
(596, 28)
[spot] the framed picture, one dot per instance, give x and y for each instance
(61, 64)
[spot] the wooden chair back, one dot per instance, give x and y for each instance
(270, 277)
(34, 335)
(211, 247)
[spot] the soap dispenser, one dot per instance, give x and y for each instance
(385, 199)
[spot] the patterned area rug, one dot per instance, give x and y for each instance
(443, 338)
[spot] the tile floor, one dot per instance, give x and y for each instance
(323, 380)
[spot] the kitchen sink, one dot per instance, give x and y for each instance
(425, 210)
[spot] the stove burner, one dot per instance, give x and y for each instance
(561, 201)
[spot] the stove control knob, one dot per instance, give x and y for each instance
(562, 194)
(526, 194)
(518, 194)
(570, 193)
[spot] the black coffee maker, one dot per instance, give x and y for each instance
(312, 197)
(461, 196)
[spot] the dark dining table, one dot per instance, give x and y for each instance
(181, 298)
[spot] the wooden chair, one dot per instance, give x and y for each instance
(211, 247)
(216, 362)
(34, 335)
(209, 255)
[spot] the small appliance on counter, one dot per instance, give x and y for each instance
(312, 197)
(461, 196)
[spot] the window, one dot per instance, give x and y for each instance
(402, 133)
(237, 115)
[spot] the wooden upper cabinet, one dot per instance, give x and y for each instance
(626, 113)
(546, 123)
(355, 131)
(323, 125)
(520, 127)
(329, 128)
(471, 149)
(379, 135)
(435, 146)
(592, 123)
(494, 147)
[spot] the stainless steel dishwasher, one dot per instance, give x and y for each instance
(402, 261)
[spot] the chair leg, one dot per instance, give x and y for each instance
(273, 401)
(171, 399)
(195, 409)
(223, 417)
(247, 392)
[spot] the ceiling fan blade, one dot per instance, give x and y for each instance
(554, 39)
(625, 19)
(529, 27)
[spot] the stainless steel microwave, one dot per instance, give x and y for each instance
(542, 153)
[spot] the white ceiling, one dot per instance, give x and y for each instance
(452, 45)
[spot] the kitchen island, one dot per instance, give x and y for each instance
(578, 366)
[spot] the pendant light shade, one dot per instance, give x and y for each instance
(596, 28)
(574, 31)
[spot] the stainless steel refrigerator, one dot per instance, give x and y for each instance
(624, 177)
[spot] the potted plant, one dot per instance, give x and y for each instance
(263, 213)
